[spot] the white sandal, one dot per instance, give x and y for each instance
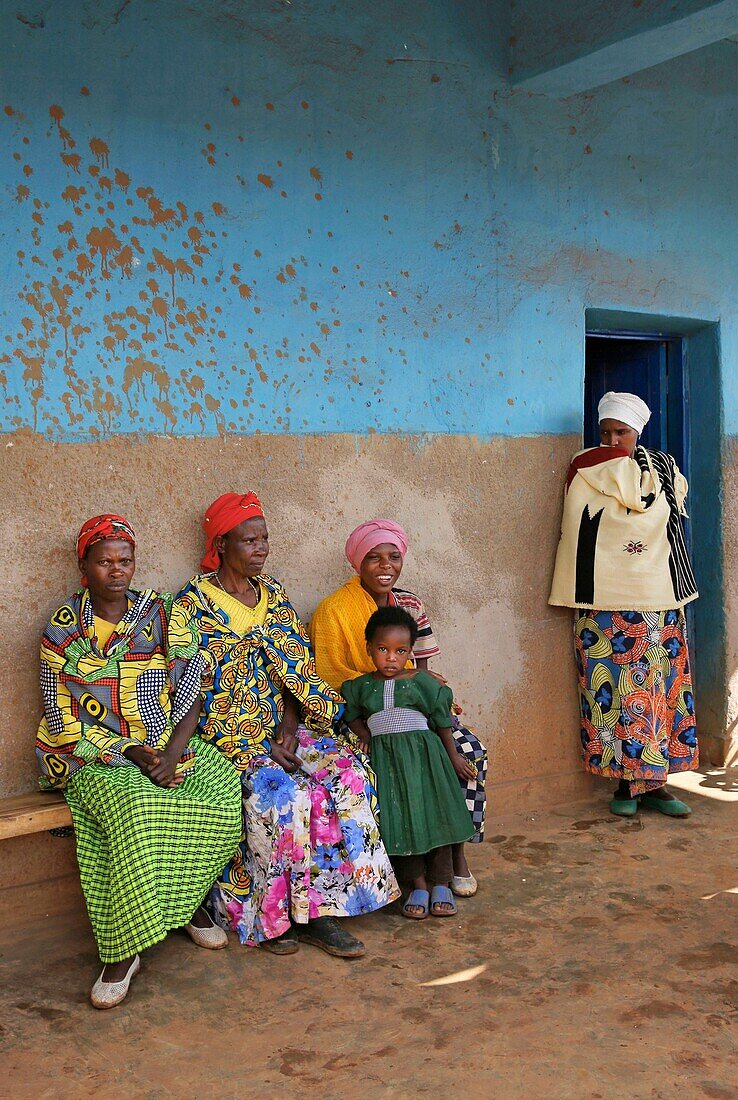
(464, 886)
(110, 994)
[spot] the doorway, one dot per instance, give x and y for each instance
(674, 364)
(653, 368)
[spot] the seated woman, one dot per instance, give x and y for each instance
(311, 850)
(376, 550)
(155, 815)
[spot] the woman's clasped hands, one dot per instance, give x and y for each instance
(159, 765)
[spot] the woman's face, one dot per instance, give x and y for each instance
(245, 548)
(109, 567)
(380, 569)
(613, 433)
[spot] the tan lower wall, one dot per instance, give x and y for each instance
(482, 518)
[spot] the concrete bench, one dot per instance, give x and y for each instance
(33, 813)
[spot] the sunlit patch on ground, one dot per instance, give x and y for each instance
(458, 976)
(720, 783)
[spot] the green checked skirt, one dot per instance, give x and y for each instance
(148, 855)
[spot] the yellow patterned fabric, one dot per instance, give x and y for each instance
(246, 674)
(102, 696)
(242, 618)
(103, 631)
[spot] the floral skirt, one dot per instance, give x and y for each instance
(635, 696)
(311, 845)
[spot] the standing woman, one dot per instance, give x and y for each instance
(622, 563)
(376, 550)
(156, 815)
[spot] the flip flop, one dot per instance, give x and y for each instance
(418, 898)
(441, 895)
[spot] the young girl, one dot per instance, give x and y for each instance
(402, 716)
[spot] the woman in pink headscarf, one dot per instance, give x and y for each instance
(376, 550)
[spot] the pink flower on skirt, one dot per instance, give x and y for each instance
(324, 826)
(284, 846)
(315, 900)
(274, 906)
(234, 909)
(349, 776)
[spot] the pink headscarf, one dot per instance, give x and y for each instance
(370, 534)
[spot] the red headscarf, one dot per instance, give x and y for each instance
(222, 516)
(98, 528)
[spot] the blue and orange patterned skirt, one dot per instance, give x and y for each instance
(635, 696)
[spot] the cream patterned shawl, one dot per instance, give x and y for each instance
(622, 542)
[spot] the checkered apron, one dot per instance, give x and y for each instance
(474, 789)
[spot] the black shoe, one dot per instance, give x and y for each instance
(286, 944)
(326, 933)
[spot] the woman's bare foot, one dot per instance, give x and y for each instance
(662, 793)
(116, 972)
(201, 919)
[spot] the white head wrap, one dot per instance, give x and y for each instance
(626, 407)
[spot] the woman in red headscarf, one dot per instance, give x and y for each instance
(156, 812)
(311, 849)
(376, 550)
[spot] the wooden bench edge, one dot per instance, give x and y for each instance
(21, 816)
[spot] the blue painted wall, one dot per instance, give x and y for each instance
(311, 218)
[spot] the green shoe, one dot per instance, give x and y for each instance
(672, 807)
(624, 807)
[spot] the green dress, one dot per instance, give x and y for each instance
(421, 803)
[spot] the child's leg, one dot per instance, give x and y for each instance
(411, 869)
(439, 870)
(461, 867)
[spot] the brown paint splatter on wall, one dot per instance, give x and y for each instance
(100, 151)
(136, 274)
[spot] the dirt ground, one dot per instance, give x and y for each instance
(598, 960)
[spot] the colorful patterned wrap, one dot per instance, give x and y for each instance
(98, 701)
(635, 696)
(146, 854)
(311, 845)
(244, 676)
